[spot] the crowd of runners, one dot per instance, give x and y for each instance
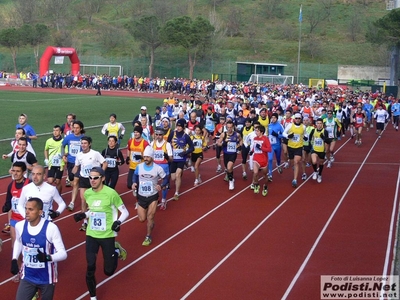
(263, 127)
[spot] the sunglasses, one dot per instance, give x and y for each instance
(159, 134)
(94, 177)
(297, 118)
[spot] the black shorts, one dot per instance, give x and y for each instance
(292, 152)
(329, 141)
(307, 149)
(71, 175)
(54, 172)
(380, 126)
(231, 157)
(321, 155)
(84, 183)
(195, 156)
(175, 165)
(146, 201)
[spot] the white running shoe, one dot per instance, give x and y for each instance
(332, 158)
(219, 169)
(314, 176)
(244, 175)
(231, 184)
(329, 164)
(304, 176)
(319, 179)
(286, 165)
(252, 186)
(192, 169)
(196, 182)
(199, 180)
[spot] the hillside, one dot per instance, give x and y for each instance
(332, 32)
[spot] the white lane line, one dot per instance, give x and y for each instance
(310, 253)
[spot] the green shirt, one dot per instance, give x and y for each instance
(53, 148)
(103, 211)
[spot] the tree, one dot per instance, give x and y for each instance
(26, 10)
(34, 36)
(13, 39)
(189, 34)
(386, 30)
(147, 31)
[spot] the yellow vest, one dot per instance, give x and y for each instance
(297, 140)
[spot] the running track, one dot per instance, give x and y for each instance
(218, 244)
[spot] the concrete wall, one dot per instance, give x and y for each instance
(349, 72)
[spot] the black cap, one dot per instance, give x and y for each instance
(98, 170)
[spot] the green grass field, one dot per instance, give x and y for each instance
(45, 110)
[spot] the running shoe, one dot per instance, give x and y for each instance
(219, 169)
(36, 296)
(71, 206)
(252, 186)
(280, 170)
(6, 228)
(286, 165)
(359, 143)
(329, 164)
(332, 158)
(147, 241)
(265, 190)
(176, 196)
(319, 179)
(122, 252)
(256, 188)
(163, 205)
(231, 184)
(308, 165)
(314, 176)
(304, 176)
(270, 178)
(294, 183)
(83, 227)
(67, 183)
(192, 169)
(196, 182)
(397, 128)
(244, 175)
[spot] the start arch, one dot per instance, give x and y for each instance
(58, 51)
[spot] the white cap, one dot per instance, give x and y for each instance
(143, 108)
(148, 152)
(297, 115)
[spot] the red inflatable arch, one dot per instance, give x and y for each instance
(57, 51)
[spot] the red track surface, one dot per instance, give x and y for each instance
(218, 244)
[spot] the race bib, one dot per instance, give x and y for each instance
(56, 160)
(197, 143)
(231, 147)
(330, 132)
(46, 208)
(146, 188)
(98, 221)
(318, 142)
(272, 139)
(74, 149)
(359, 120)
(158, 155)
(176, 153)
(296, 138)
(30, 258)
(86, 170)
(14, 204)
(111, 162)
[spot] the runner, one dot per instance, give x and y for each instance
(275, 138)
(317, 137)
(332, 126)
(114, 159)
(359, 123)
(53, 159)
(200, 145)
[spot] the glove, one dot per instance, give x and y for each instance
(53, 214)
(128, 160)
(116, 226)
(106, 132)
(137, 157)
(258, 146)
(182, 154)
(239, 148)
(42, 257)
(290, 135)
(305, 138)
(166, 156)
(14, 267)
(79, 216)
(275, 134)
(251, 153)
(121, 136)
(46, 162)
(165, 187)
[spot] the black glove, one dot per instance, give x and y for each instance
(79, 216)
(107, 132)
(258, 146)
(14, 267)
(290, 135)
(275, 134)
(305, 138)
(165, 187)
(53, 214)
(120, 162)
(138, 157)
(251, 153)
(128, 160)
(42, 257)
(182, 154)
(239, 148)
(6, 208)
(121, 136)
(166, 156)
(116, 226)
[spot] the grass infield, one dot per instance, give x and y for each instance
(45, 110)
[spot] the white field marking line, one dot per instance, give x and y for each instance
(394, 221)
(42, 100)
(310, 253)
(194, 222)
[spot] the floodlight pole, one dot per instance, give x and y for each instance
(298, 54)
